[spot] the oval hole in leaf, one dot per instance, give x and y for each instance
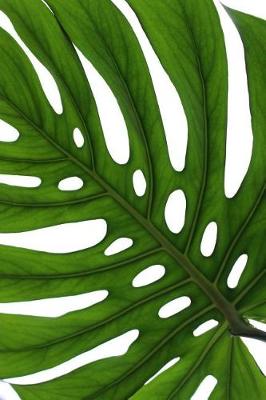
(112, 120)
(54, 307)
(164, 368)
(78, 138)
(174, 307)
(239, 129)
(7, 132)
(209, 239)
(205, 327)
(118, 245)
(139, 183)
(20, 180)
(148, 276)
(171, 108)
(47, 80)
(205, 389)
(70, 184)
(175, 211)
(237, 270)
(114, 347)
(64, 238)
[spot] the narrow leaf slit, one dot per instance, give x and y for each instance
(20, 180)
(112, 348)
(205, 389)
(113, 123)
(171, 108)
(164, 368)
(64, 238)
(239, 126)
(46, 79)
(54, 307)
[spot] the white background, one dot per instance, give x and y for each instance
(238, 157)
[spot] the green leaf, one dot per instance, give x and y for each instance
(188, 39)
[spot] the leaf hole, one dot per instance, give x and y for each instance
(46, 79)
(7, 132)
(205, 327)
(78, 138)
(49, 8)
(7, 392)
(171, 108)
(149, 275)
(70, 184)
(209, 239)
(205, 389)
(163, 369)
(174, 307)
(20, 180)
(54, 307)
(239, 127)
(237, 270)
(139, 183)
(64, 238)
(175, 211)
(112, 348)
(112, 121)
(118, 246)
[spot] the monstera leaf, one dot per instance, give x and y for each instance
(188, 39)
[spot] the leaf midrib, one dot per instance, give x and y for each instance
(221, 303)
(212, 292)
